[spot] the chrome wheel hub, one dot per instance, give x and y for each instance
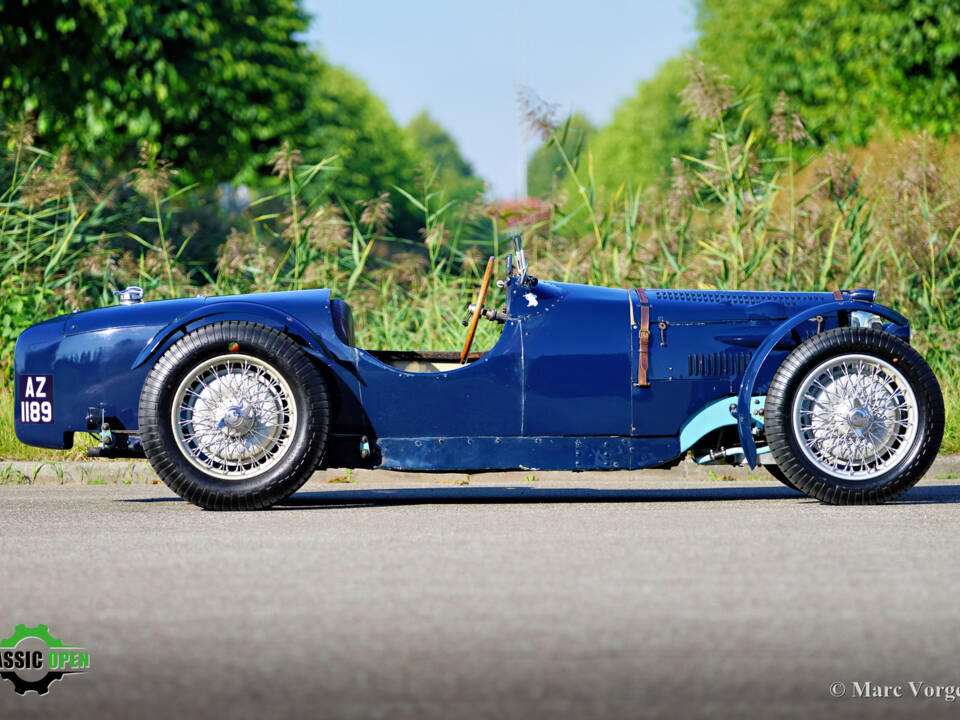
(233, 416)
(858, 419)
(855, 416)
(238, 420)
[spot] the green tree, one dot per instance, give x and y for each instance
(846, 65)
(453, 173)
(374, 154)
(647, 130)
(546, 169)
(217, 84)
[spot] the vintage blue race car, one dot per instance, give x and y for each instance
(237, 400)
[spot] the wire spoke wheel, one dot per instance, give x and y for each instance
(233, 416)
(855, 416)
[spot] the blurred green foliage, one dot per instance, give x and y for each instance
(441, 157)
(648, 130)
(216, 84)
(849, 69)
(373, 153)
(848, 65)
(546, 169)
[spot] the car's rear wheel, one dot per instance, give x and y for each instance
(854, 416)
(234, 416)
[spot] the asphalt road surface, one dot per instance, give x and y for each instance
(621, 598)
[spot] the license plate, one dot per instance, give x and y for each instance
(36, 399)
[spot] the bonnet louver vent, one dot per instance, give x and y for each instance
(717, 364)
(738, 298)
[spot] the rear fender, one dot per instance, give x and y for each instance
(244, 312)
(766, 347)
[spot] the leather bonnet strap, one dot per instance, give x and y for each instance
(644, 362)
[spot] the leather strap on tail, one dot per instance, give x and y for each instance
(643, 364)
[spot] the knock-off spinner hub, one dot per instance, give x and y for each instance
(238, 420)
(858, 418)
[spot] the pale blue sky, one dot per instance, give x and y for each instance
(463, 61)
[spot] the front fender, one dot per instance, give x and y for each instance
(767, 346)
(242, 311)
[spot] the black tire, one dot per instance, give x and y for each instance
(304, 443)
(912, 458)
(781, 476)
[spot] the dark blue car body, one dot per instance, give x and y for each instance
(559, 390)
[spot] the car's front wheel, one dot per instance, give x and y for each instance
(854, 416)
(778, 474)
(234, 416)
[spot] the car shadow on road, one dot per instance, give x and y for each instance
(508, 494)
(927, 494)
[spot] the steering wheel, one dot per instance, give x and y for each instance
(472, 328)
